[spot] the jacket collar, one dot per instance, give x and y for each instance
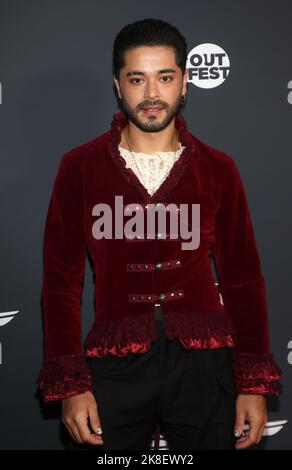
(119, 120)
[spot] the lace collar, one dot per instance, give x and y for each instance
(119, 120)
(162, 154)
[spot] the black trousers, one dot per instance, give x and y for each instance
(191, 394)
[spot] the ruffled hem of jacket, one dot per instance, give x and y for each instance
(134, 333)
(64, 377)
(256, 374)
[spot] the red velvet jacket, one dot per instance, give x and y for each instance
(131, 275)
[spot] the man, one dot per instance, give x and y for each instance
(164, 348)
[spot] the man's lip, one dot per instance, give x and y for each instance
(153, 107)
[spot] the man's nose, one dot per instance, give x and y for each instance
(152, 91)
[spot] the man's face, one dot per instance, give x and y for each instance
(151, 78)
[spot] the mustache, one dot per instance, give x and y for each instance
(152, 104)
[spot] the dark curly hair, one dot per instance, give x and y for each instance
(148, 32)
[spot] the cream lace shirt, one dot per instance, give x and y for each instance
(154, 167)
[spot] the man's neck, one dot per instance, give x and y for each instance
(149, 142)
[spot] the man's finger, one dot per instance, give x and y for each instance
(73, 431)
(261, 432)
(239, 423)
(259, 427)
(86, 435)
(94, 418)
(252, 436)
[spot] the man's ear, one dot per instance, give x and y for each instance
(117, 85)
(185, 78)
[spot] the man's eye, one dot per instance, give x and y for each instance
(135, 80)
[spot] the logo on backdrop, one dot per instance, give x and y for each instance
(289, 357)
(5, 317)
(289, 96)
(208, 65)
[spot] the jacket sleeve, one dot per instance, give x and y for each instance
(242, 286)
(64, 371)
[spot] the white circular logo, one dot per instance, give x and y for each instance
(208, 65)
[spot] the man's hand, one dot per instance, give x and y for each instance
(253, 409)
(75, 413)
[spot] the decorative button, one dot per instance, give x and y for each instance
(149, 237)
(144, 206)
(160, 266)
(173, 295)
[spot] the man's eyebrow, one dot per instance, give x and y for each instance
(138, 72)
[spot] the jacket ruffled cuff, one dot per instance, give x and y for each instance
(256, 374)
(64, 377)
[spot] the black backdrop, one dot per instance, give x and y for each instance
(57, 92)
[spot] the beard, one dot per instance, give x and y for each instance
(151, 123)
